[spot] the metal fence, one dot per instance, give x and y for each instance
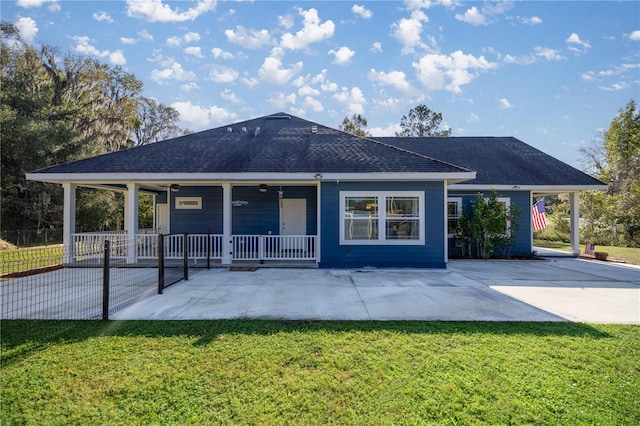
(50, 283)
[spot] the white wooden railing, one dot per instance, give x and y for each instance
(244, 247)
(274, 247)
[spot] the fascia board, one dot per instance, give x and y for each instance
(535, 188)
(106, 178)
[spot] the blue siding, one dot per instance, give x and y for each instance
(259, 216)
(208, 219)
(519, 199)
(429, 255)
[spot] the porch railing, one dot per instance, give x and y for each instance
(244, 247)
(274, 247)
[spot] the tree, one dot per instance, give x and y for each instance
(155, 122)
(356, 125)
(614, 217)
(422, 122)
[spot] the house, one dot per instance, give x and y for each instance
(280, 187)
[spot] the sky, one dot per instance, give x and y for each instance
(550, 73)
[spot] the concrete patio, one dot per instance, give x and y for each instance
(548, 290)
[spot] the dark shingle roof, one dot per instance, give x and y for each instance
(497, 160)
(276, 143)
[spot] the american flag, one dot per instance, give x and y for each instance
(589, 248)
(539, 216)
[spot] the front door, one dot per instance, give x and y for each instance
(162, 218)
(293, 216)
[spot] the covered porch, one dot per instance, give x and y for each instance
(210, 223)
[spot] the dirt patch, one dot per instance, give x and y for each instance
(32, 272)
(243, 268)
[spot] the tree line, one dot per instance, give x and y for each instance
(58, 108)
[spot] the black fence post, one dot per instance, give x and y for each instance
(160, 263)
(105, 280)
(185, 252)
(208, 249)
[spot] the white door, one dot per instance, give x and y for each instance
(162, 218)
(293, 216)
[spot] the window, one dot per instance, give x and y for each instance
(369, 217)
(505, 202)
(454, 211)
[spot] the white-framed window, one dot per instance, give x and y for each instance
(382, 217)
(454, 211)
(506, 203)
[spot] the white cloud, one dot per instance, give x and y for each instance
(280, 100)
(157, 11)
(635, 35)
(128, 40)
(472, 16)
(574, 40)
(27, 28)
(396, 79)
(201, 118)
(376, 47)
(174, 72)
(504, 103)
(588, 76)
(450, 72)
(220, 74)
(307, 90)
(84, 47)
(174, 41)
(409, 32)
(352, 99)
(312, 31)
(311, 103)
(534, 20)
(145, 35)
(189, 86)
(272, 70)
(194, 51)
(548, 53)
(342, 56)
(190, 37)
(615, 87)
(361, 11)
(248, 37)
(228, 95)
(102, 16)
(117, 58)
(27, 4)
(472, 118)
(286, 21)
(221, 54)
(390, 130)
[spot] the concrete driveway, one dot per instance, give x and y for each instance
(468, 290)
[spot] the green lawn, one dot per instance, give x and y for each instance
(628, 254)
(278, 372)
(30, 258)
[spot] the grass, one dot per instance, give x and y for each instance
(278, 372)
(628, 254)
(26, 259)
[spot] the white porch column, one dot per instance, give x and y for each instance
(318, 220)
(69, 221)
(227, 245)
(131, 220)
(446, 222)
(574, 204)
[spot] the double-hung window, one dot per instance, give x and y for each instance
(454, 211)
(374, 217)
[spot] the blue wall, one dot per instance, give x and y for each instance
(259, 216)
(429, 255)
(520, 200)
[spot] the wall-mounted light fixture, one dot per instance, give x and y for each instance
(318, 176)
(263, 187)
(174, 187)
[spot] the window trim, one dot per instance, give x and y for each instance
(458, 201)
(382, 217)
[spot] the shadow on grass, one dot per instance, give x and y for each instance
(21, 337)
